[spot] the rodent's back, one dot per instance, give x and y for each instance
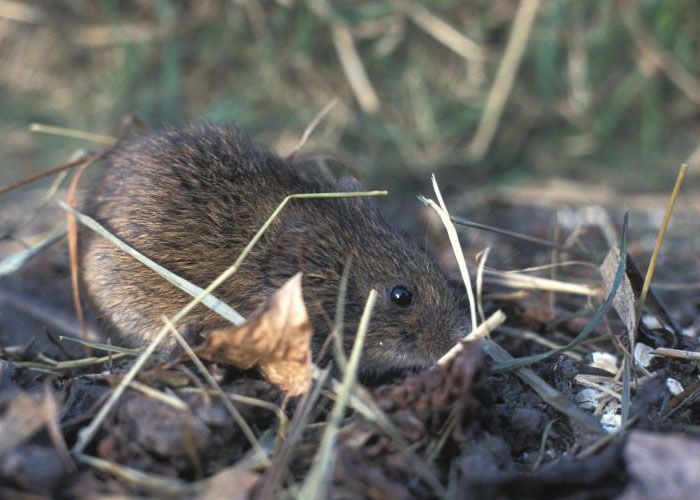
(191, 198)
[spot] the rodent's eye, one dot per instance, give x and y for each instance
(401, 296)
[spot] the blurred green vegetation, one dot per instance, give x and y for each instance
(605, 90)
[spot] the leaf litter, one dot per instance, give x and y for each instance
(457, 427)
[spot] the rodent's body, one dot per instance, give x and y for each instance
(191, 198)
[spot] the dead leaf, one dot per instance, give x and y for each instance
(624, 299)
(71, 200)
(23, 417)
(277, 341)
(234, 483)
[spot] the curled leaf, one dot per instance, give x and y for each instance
(623, 302)
(277, 341)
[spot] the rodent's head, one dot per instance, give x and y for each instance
(417, 316)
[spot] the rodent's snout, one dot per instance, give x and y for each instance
(447, 335)
(464, 330)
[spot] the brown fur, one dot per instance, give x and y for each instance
(191, 198)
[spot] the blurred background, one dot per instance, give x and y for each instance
(482, 92)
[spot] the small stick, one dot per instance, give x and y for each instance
(66, 166)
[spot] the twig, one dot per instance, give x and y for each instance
(66, 166)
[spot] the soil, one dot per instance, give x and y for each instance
(459, 430)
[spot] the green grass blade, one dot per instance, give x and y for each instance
(592, 324)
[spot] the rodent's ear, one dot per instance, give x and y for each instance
(348, 184)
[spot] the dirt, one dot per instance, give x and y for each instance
(458, 430)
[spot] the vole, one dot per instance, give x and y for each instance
(191, 197)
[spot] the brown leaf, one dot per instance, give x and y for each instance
(233, 483)
(624, 299)
(277, 340)
(72, 201)
(23, 417)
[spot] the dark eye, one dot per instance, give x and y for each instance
(401, 296)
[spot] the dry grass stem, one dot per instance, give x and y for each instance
(194, 291)
(75, 134)
(19, 11)
(161, 396)
(484, 329)
(318, 479)
(445, 33)
(522, 281)
(311, 127)
(480, 282)
(511, 234)
(676, 353)
(156, 485)
(539, 339)
(659, 241)
(456, 247)
(652, 52)
(88, 432)
(599, 387)
(354, 70)
(504, 79)
(235, 414)
(100, 346)
(350, 59)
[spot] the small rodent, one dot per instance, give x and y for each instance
(190, 198)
